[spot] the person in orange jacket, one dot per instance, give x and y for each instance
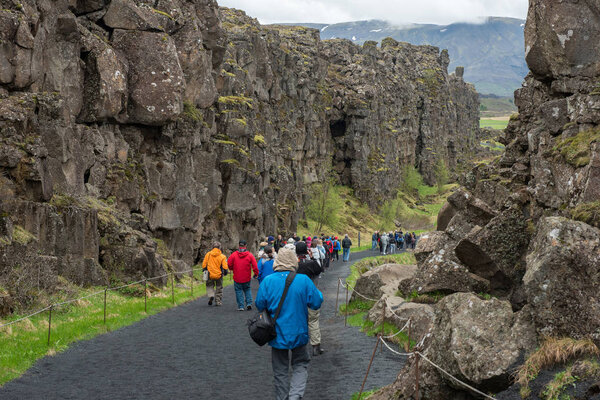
(215, 263)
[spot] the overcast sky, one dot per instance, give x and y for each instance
(395, 11)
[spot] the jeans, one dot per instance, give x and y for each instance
(346, 254)
(243, 290)
(286, 388)
(392, 248)
(373, 244)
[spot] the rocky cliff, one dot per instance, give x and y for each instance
(523, 229)
(132, 133)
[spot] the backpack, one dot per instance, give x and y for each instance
(262, 327)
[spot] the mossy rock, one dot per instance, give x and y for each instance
(588, 213)
(576, 150)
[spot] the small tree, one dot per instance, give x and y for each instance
(411, 180)
(324, 204)
(441, 174)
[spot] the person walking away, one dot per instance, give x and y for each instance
(312, 269)
(243, 264)
(261, 250)
(279, 243)
(315, 253)
(324, 259)
(346, 244)
(413, 240)
(265, 264)
(291, 325)
(337, 246)
(215, 263)
(374, 241)
(384, 242)
(407, 240)
(392, 244)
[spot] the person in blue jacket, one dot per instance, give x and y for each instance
(291, 325)
(265, 265)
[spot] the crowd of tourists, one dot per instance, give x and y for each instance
(390, 242)
(281, 262)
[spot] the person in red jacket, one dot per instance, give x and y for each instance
(242, 263)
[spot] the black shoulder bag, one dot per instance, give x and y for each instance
(262, 326)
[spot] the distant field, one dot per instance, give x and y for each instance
(493, 106)
(494, 123)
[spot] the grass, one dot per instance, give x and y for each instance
(23, 343)
(553, 351)
(365, 395)
(499, 124)
(588, 213)
(576, 150)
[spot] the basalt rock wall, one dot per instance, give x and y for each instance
(133, 133)
(524, 228)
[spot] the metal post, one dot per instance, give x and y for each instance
(50, 323)
(337, 297)
(346, 313)
(417, 376)
(192, 285)
(145, 295)
(409, 329)
(105, 290)
(173, 287)
(358, 239)
(369, 368)
(382, 323)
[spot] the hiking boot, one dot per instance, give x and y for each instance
(210, 301)
(317, 350)
(218, 304)
(241, 309)
(248, 307)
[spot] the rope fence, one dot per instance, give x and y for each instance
(51, 307)
(381, 338)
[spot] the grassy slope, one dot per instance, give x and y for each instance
(418, 215)
(23, 343)
(500, 124)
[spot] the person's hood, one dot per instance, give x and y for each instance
(286, 260)
(214, 252)
(242, 253)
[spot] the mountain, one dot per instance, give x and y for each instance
(492, 53)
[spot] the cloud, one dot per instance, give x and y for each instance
(394, 11)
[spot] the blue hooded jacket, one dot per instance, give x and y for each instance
(292, 324)
(265, 268)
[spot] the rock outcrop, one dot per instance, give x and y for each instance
(133, 133)
(525, 223)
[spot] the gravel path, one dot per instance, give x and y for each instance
(199, 352)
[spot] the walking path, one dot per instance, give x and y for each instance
(195, 351)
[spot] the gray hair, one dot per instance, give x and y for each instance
(217, 244)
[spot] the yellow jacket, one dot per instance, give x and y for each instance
(214, 261)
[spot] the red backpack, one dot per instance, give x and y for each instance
(329, 246)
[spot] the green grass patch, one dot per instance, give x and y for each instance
(576, 150)
(23, 343)
(365, 395)
(588, 213)
(493, 123)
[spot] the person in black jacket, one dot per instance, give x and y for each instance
(346, 244)
(312, 269)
